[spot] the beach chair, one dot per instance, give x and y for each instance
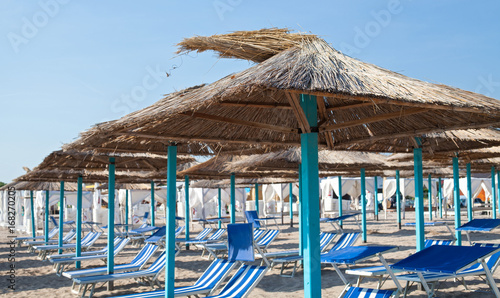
(324, 240)
(214, 249)
(213, 276)
(479, 225)
(267, 239)
(20, 240)
(86, 242)
(380, 272)
(139, 260)
(355, 292)
(202, 235)
(253, 218)
(144, 276)
(60, 263)
(346, 240)
(104, 250)
(335, 222)
(441, 262)
(67, 238)
(476, 269)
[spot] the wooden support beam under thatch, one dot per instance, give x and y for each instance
(258, 105)
(376, 118)
(240, 122)
(298, 112)
(323, 116)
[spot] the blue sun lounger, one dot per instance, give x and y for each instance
(346, 240)
(202, 235)
(253, 218)
(67, 238)
(86, 242)
(149, 276)
(440, 262)
(267, 239)
(60, 263)
(355, 292)
(433, 224)
(140, 259)
(335, 222)
(85, 253)
(479, 225)
(52, 234)
(214, 249)
(324, 240)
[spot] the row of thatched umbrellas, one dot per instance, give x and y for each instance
(300, 92)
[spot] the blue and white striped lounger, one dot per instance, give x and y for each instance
(214, 249)
(243, 282)
(86, 242)
(67, 238)
(354, 292)
(60, 263)
(215, 274)
(266, 240)
(52, 234)
(149, 276)
(86, 253)
(324, 240)
(140, 259)
(202, 235)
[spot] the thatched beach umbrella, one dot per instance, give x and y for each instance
(301, 92)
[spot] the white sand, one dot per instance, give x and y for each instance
(35, 278)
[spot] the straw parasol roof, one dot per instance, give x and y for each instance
(260, 107)
(247, 182)
(39, 185)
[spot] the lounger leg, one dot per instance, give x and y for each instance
(424, 284)
(490, 279)
(360, 278)
(341, 275)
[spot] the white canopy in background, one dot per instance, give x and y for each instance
(477, 184)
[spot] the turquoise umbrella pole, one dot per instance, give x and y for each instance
(456, 195)
(219, 201)
(498, 190)
(429, 196)
(469, 193)
(257, 198)
(309, 154)
(186, 214)
(398, 199)
(440, 197)
(301, 213)
(79, 194)
(61, 215)
(170, 237)
(493, 194)
(363, 205)
(233, 199)
(33, 228)
(126, 210)
(339, 195)
(375, 199)
(47, 194)
(291, 204)
(111, 219)
(419, 198)
(152, 203)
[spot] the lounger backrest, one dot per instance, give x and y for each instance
(158, 264)
(354, 292)
(430, 242)
(54, 221)
(179, 230)
(243, 281)
(145, 217)
(69, 236)
(491, 261)
(53, 232)
(325, 239)
(240, 242)
(251, 218)
(119, 246)
(143, 256)
(268, 237)
(215, 273)
(257, 233)
(218, 233)
(203, 234)
(92, 238)
(346, 240)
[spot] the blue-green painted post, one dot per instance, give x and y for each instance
(126, 210)
(429, 196)
(257, 198)
(398, 199)
(498, 190)
(301, 213)
(111, 219)
(186, 214)
(153, 203)
(170, 237)
(375, 199)
(309, 153)
(469, 193)
(440, 197)
(47, 211)
(79, 194)
(419, 198)
(363, 206)
(219, 201)
(233, 199)
(339, 195)
(456, 196)
(493, 194)
(33, 227)
(291, 204)
(61, 215)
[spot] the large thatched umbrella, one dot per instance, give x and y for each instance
(301, 92)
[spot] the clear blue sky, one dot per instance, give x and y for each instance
(66, 65)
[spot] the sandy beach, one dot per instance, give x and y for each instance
(36, 278)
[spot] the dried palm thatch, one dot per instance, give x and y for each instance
(130, 186)
(39, 185)
(259, 108)
(465, 156)
(239, 183)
